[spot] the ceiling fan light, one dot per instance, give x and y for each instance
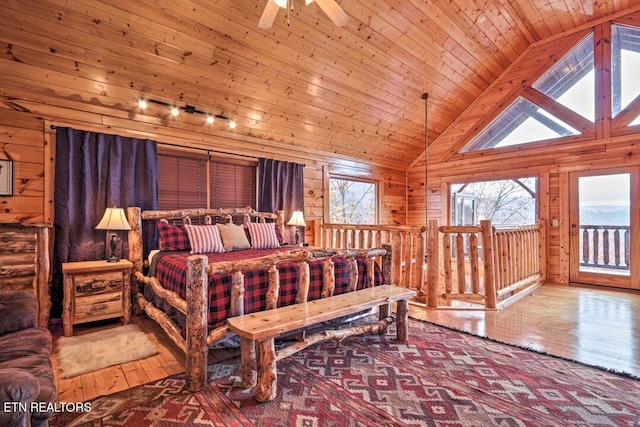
(281, 3)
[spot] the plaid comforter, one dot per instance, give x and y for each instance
(171, 270)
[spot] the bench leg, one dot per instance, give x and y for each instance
(247, 362)
(402, 320)
(267, 386)
(384, 311)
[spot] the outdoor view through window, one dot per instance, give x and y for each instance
(352, 202)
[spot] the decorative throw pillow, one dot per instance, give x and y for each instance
(263, 235)
(204, 239)
(233, 237)
(173, 237)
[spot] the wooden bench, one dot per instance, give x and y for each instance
(259, 330)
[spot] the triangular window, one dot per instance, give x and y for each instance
(521, 122)
(570, 83)
(625, 63)
(571, 80)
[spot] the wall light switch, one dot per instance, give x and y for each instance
(554, 222)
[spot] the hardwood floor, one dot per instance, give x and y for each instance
(594, 325)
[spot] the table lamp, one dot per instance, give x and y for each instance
(297, 220)
(113, 219)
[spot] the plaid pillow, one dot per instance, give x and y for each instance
(173, 238)
(204, 239)
(263, 235)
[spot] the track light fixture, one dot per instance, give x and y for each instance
(143, 104)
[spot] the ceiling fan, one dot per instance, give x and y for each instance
(330, 7)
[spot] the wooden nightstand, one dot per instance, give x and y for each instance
(96, 290)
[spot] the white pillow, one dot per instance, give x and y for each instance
(204, 239)
(233, 237)
(263, 235)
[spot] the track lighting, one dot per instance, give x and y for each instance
(143, 104)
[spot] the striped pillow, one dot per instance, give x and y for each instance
(204, 239)
(263, 235)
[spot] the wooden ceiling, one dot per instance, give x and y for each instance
(350, 92)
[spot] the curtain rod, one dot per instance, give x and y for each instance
(54, 127)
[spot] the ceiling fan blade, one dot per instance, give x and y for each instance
(333, 11)
(269, 15)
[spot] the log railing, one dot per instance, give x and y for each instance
(408, 243)
(489, 267)
(605, 246)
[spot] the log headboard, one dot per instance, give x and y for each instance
(206, 216)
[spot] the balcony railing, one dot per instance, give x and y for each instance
(605, 246)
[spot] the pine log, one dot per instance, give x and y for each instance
(402, 320)
(337, 335)
(247, 363)
(303, 283)
(171, 297)
(42, 272)
(225, 267)
(421, 263)
(237, 294)
(163, 320)
(197, 304)
(352, 268)
(432, 267)
(135, 238)
(25, 283)
(218, 334)
(273, 291)
(329, 278)
(387, 265)
(17, 258)
(267, 386)
(371, 273)
(17, 270)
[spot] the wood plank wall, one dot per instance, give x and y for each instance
(26, 139)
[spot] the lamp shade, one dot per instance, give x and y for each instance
(113, 219)
(297, 219)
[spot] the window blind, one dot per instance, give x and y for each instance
(182, 180)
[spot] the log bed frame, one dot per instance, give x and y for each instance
(195, 307)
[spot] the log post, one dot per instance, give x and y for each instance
(408, 260)
(273, 291)
(397, 262)
(303, 282)
(267, 385)
(371, 273)
(247, 362)
(197, 289)
(402, 320)
(432, 268)
(487, 249)
(387, 265)
(237, 294)
(352, 268)
(420, 263)
(42, 276)
(135, 251)
(329, 278)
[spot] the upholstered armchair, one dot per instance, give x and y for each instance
(27, 387)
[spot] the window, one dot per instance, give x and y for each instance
(352, 201)
(625, 65)
(507, 203)
(182, 181)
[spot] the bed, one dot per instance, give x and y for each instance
(201, 276)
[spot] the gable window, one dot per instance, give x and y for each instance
(521, 122)
(352, 201)
(189, 180)
(625, 66)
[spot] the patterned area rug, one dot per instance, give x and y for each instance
(440, 377)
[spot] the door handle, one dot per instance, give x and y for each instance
(573, 230)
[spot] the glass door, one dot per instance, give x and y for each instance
(603, 228)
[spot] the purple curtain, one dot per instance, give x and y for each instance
(281, 186)
(94, 171)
